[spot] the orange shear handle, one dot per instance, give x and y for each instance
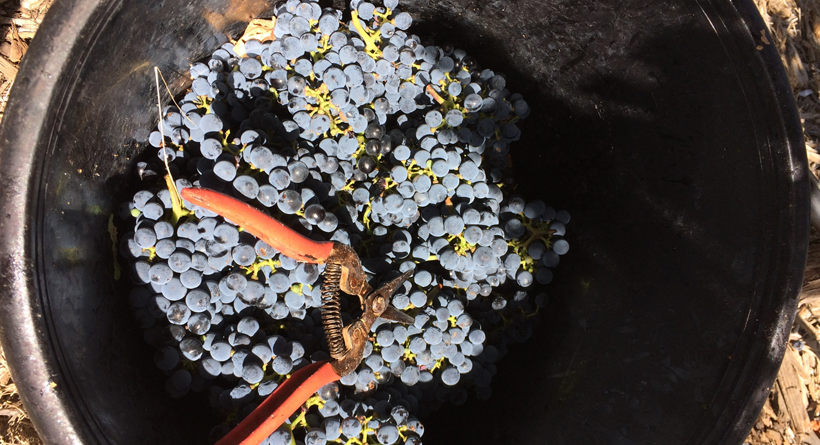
(277, 235)
(280, 405)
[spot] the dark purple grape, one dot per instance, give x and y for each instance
(315, 214)
(366, 164)
(373, 148)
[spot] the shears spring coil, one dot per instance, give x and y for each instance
(331, 309)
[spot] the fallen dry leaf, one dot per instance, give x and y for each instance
(18, 45)
(259, 29)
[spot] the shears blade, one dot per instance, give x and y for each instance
(387, 290)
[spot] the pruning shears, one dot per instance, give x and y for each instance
(343, 272)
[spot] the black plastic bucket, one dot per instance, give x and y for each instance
(667, 128)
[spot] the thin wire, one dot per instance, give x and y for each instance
(162, 133)
(168, 89)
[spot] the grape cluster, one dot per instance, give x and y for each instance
(354, 132)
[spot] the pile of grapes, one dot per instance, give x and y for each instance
(352, 131)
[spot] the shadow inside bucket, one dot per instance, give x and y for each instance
(651, 133)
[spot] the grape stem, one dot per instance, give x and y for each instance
(434, 94)
(446, 104)
(536, 233)
(205, 102)
(152, 252)
(298, 288)
(402, 429)
(320, 53)
(368, 39)
(315, 400)
(176, 201)
(296, 423)
(253, 269)
(171, 185)
(384, 16)
(168, 89)
(366, 217)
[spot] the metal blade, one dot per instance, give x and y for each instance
(387, 290)
(393, 314)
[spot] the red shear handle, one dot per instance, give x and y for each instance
(280, 405)
(277, 235)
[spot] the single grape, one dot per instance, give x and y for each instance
(199, 324)
(282, 365)
(244, 255)
(294, 300)
(191, 348)
(403, 20)
(226, 235)
(560, 246)
(166, 358)
(433, 118)
(387, 434)
(473, 102)
(210, 123)
(315, 214)
(351, 427)
(248, 326)
(246, 186)
(366, 164)
(392, 353)
(543, 275)
(410, 376)
(432, 335)
(524, 278)
(197, 301)
(315, 437)
(160, 274)
(280, 437)
(384, 338)
(290, 201)
(236, 282)
(329, 223)
(298, 172)
(454, 225)
(450, 376)
(178, 313)
(477, 336)
(516, 205)
(221, 351)
(419, 299)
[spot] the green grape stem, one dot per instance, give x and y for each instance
(383, 18)
(253, 269)
(366, 218)
(536, 231)
(152, 253)
(370, 43)
(178, 209)
(314, 400)
(296, 423)
(205, 102)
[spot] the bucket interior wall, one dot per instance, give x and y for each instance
(664, 127)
